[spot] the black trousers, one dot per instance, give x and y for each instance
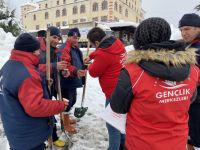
(71, 95)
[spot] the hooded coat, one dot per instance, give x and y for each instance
(155, 89)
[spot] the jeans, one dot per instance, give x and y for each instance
(116, 138)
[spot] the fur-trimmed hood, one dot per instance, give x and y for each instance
(168, 57)
(166, 64)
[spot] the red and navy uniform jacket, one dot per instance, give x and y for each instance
(74, 58)
(25, 111)
(108, 61)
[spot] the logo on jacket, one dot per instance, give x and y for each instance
(1, 85)
(171, 85)
(173, 92)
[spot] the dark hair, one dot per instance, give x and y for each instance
(96, 34)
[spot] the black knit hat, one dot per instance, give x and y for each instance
(151, 30)
(74, 32)
(190, 20)
(41, 33)
(54, 31)
(26, 42)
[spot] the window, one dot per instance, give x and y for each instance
(34, 17)
(82, 9)
(24, 9)
(64, 23)
(115, 7)
(75, 21)
(126, 1)
(116, 19)
(46, 5)
(75, 10)
(126, 13)
(64, 1)
(82, 20)
(104, 5)
(120, 9)
(95, 7)
(95, 19)
(64, 12)
(37, 27)
(57, 2)
(104, 18)
(46, 15)
(57, 24)
(57, 13)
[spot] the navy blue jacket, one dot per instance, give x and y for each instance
(73, 82)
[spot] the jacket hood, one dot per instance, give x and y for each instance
(173, 64)
(111, 45)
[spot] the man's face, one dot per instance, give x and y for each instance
(189, 33)
(74, 40)
(54, 40)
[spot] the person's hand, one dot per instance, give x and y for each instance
(87, 60)
(61, 65)
(65, 73)
(66, 102)
(81, 73)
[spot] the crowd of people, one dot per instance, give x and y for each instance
(156, 85)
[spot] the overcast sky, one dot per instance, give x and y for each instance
(171, 10)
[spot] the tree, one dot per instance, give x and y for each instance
(197, 7)
(8, 21)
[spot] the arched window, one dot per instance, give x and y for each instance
(34, 17)
(126, 13)
(120, 9)
(115, 6)
(57, 13)
(95, 7)
(75, 10)
(64, 12)
(82, 9)
(46, 5)
(46, 15)
(104, 5)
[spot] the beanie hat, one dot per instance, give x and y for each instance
(190, 20)
(41, 33)
(74, 32)
(26, 42)
(54, 31)
(151, 30)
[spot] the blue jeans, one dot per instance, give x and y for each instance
(116, 139)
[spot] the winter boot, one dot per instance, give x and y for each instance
(67, 124)
(59, 143)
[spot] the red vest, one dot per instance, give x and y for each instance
(158, 116)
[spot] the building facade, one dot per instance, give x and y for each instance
(65, 13)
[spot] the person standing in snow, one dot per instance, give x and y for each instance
(56, 64)
(189, 26)
(74, 58)
(156, 88)
(25, 105)
(108, 60)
